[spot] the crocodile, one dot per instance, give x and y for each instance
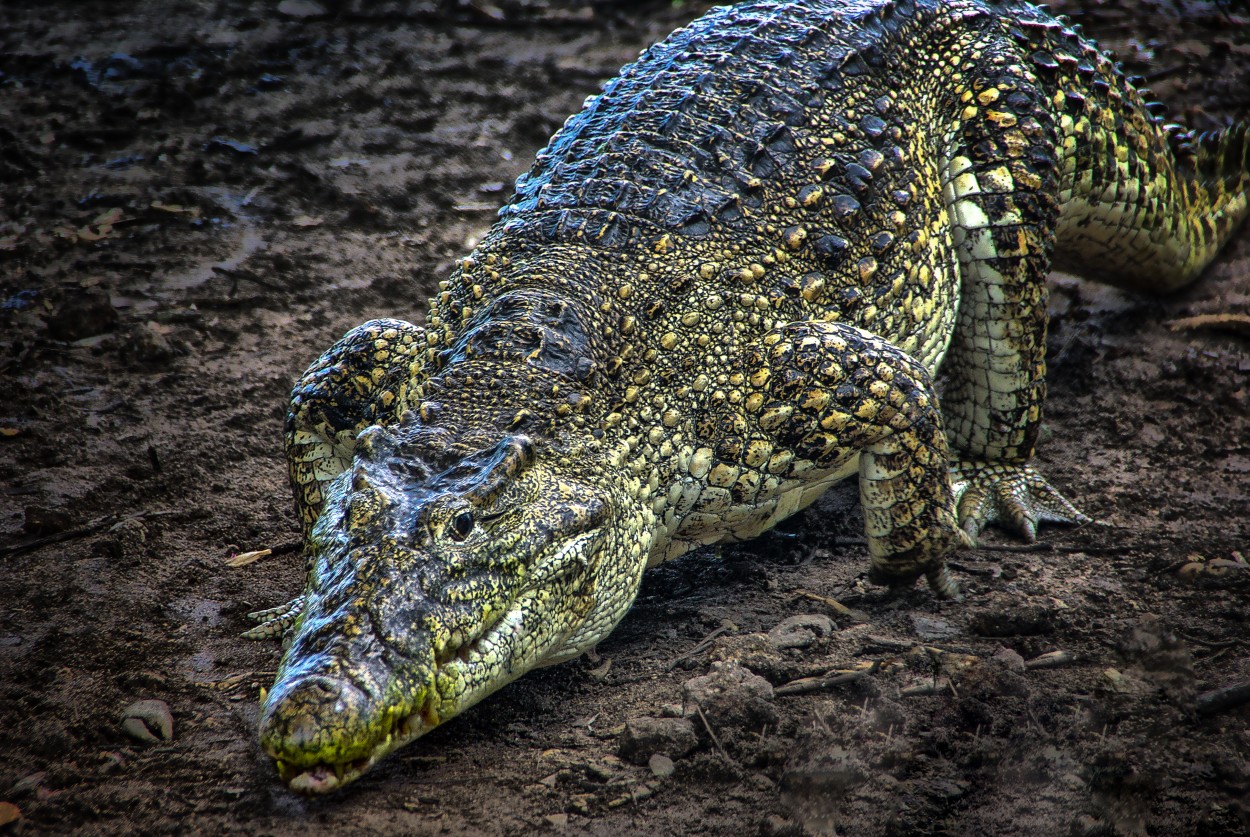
(726, 284)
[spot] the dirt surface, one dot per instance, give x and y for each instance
(199, 198)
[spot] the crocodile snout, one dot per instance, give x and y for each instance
(316, 719)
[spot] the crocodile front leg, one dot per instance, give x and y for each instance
(362, 380)
(828, 392)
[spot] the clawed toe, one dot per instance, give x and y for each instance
(1016, 497)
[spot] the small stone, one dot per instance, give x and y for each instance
(801, 631)
(990, 679)
(41, 520)
(931, 628)
(147, 343)
(29, 783)
(1009, 660)
(778, 826)
(661, 765)
(126, 541)
(148, 721)
(732, 696)
(643, 737)
(557, 820)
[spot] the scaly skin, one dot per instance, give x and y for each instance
(725, 285)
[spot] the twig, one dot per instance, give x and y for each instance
(1207, 643)
(236, 274)
(1050, 547)
(91, 528)
(971, 570)
(712, 734)
(933, 687)
(1051, 659)
(906, 646)
(1225, 697)
(826, 681)
(707, 640)
(1237, 323)
(1164, 72)
(890, 644)
(835, 605)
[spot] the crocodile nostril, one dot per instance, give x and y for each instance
(323, 689)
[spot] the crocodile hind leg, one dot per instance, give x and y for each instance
(361, 380)
(827, 392)
(1001, 190)
(1142, 208)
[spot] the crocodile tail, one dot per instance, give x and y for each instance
(1162, 223)
(1225, 156)
(1218, 190)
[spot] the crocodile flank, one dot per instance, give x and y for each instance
(726, 284)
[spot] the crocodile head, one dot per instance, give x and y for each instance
(442, 571)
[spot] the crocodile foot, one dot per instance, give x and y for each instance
(275, 621)
(1015, 497)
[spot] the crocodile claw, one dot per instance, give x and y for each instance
(1016, 497)
(275, 621)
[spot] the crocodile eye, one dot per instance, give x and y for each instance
(461, 525)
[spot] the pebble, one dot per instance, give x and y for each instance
(1008, 659)
(732, 696)
(661, 765)
(126, 541)
(148, 721)
(931, 628)
(147, 343)
(801, 631)
(43, 520)
(642, 738)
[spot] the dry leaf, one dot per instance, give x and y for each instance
(175, 208)
(242, 559)
(111, 217)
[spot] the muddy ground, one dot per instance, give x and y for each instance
(198, 198)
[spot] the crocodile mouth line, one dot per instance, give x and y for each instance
(324, 777)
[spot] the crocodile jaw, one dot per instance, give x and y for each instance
(525, 636)
(325, 777)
